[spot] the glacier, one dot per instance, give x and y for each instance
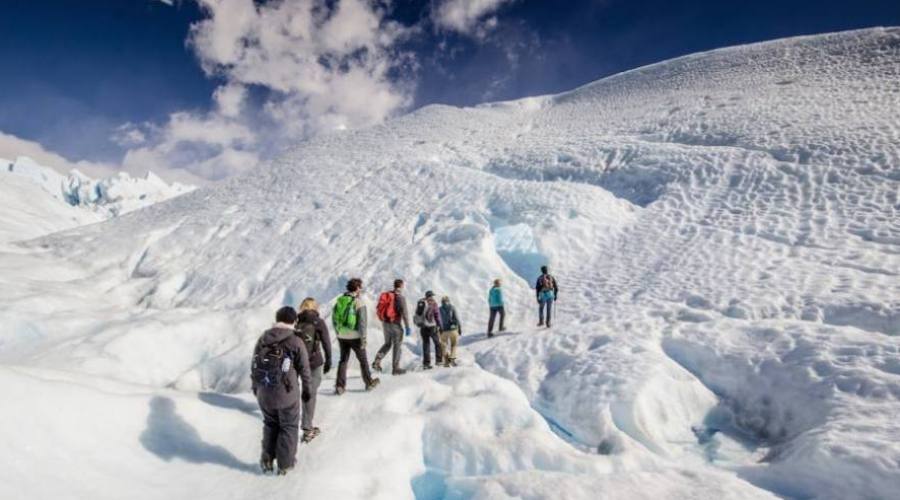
(725, 228)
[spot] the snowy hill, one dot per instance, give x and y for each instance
(724, 227)
(37, 200)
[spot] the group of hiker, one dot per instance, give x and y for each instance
(297, 348)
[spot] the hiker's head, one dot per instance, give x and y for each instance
(309, 304)
(354, 285)
(286, 315)
(497, 282)
(544, 269)
(445, 300)
(398, 284)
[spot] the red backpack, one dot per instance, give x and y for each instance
(386, 310)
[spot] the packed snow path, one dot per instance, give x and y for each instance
(724, 227)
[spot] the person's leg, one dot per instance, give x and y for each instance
(445, 341)
(541, 313)
(270, 435)
(342, 364)
(438, 347)
(426, 346)
(363, 361)
(494, 311)
(386, 329)
(309, 407)
(397, 342)
(286, 449)
(502, 318)
(454, 339)
(549, 311)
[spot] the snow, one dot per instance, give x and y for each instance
(724, 228)
(40, 201)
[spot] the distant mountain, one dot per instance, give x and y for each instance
(37, 200)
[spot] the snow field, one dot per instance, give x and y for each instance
(724, 228)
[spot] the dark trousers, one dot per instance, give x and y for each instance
(280, 434)
(430, 336)
(393, 339)
(548, 305)
(494, 312)
(356, 346)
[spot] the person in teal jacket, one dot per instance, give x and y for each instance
(495, 302)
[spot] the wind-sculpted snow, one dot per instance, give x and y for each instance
(725, 228)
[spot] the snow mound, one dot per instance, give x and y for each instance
(726, 235)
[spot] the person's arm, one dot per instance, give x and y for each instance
(455, 319)
(325, 337)
(404, 311)
(253, 386)
(301, 364)
(537, 289)
(555, 288)
(438, 319)
(361, 320)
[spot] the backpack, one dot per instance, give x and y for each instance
(419, 316)
(343, 316)
(545, 284)
(270, 366)
(387, 308)
(307, 333)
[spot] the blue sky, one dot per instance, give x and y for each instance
(130, 84)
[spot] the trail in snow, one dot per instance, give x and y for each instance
(724, 228)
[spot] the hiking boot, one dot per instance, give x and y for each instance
(284, 471)
(453, 362)
(540, 323)
(491, 334)
(398, 371)
(267, 466)
(373, 384)
(427, 367)
(548, 324)
(376, 365)
(339, 390)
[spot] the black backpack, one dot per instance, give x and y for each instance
(307, 333)
(268, 367)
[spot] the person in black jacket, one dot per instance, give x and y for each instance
(278, 359)
(314, 332)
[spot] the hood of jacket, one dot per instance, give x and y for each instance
(308, 316)
(278, 333)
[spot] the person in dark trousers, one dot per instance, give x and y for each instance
(450, 331)
(429, 321)
(394, 328)
(547, 290)
(313, 331)
(278, 359)
(349, 319)
(495, 303)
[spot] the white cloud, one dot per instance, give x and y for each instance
(468, 17)
(11, 147)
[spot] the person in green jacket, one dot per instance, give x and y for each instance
(495, 302)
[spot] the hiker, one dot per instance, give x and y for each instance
(495, 303)
(349, 320)
(394, 317)
(450, 331)
(313, 331)
(428, 319)
(546, 290)
(278, 358)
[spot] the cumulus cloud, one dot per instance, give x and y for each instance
(311, 66)
(467, 17)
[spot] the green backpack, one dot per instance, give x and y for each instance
(343, 316)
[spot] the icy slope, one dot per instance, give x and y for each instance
(36, 200)
(724, 227)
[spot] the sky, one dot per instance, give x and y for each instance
(199, 90)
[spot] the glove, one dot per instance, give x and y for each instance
(459, 330)
(327, 367)
(254, 391)
(305, 396)
(408, 331)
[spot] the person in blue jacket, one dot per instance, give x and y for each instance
(495, 302)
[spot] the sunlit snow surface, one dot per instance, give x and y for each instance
(725, 228)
